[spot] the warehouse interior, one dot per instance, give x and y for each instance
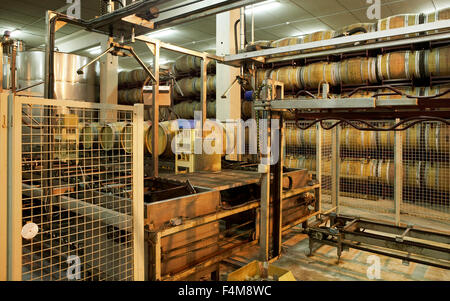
(296, 140)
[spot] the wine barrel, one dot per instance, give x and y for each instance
(126, 136)
(211, 109)
(411, 137)
(443, 14)
(166, 133)
(437, 137)
(300, 138)
(437, 176)
(320, 72)
(187, 86)
(109, 135)
(399, 65)
(385, 140)
(352, 138)
(187, 63)
(357, 28)
(261, 75)
(358, 71)
(289, 76)
(398, 21)
(122, 77)
(437, 61)
(89, 134)
(318, 36)
(285, 42)
(385, 171)
(412, 174)
(301, 162)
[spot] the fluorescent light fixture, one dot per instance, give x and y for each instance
(265, 6)
(95, 50)
(161, 33)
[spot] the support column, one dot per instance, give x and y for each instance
(335, 167)
(228, 108)
(398, 173)
(108, 82)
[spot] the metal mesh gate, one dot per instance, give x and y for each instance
(78, 203)
(367, 164)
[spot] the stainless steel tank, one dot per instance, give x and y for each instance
(68, 84)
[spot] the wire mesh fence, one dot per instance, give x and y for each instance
(367, 169)
(77, 192)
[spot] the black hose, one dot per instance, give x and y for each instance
(235, 35)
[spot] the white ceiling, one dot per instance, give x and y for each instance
(291, 17)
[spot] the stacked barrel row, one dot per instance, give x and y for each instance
(432, 136)
(362, 70)
(187, 90)
(418, 174)
(393, 22)
(186, 109)
(118, 136)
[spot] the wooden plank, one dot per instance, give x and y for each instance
(138, 193)
(188, 207)
(3, 184)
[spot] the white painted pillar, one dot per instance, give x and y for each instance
(108, 82)
(228, 108)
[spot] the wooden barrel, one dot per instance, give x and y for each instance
(437, 137)
(300, 138)
(126, 136)
(399, 65)
(186, 63)
(437, 61)
(443, 14)
(300, 162)
(320, 72)
(358, 71)
(352, 138)
(123, 77)
(289, 76)
(412, 174)
(187, 86)
(210, 85)
(411, 137)
(261, 75)
(211, 109)
(318, 36)
(285, 42)
(385, 140)
(437, 176)
(385, 171)
(166, 133)
(351, 168)
(398, 21)
(89, 134)
(361, 27)
(109, 135)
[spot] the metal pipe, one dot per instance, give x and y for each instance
(80, 70)
(242, 29)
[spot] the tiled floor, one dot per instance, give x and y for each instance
(322, 265)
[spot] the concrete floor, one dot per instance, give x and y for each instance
(322, 265)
